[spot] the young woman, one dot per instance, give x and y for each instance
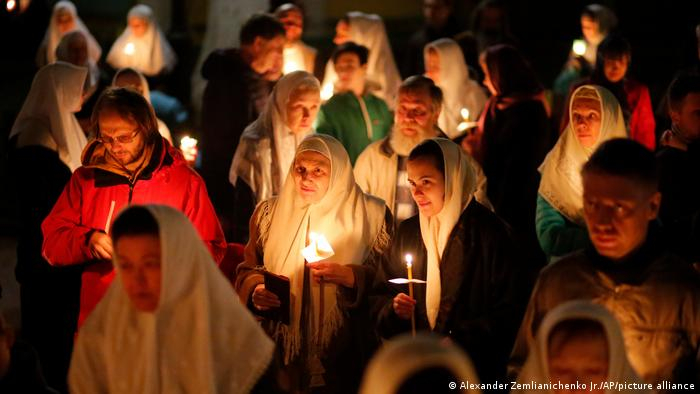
(595, 118)
(476, 291)
(329, 337)
(170, 322)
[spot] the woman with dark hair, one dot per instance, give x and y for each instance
(513, 137)
(476, 290)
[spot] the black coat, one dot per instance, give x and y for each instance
(484, 288)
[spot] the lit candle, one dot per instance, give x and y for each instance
(579, 47)
(129, 48)
(11, 4)
(409, 268)
(318, 248)
(464, 124)
(188, 146)
(327, 92)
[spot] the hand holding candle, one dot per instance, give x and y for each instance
(465, 123)
(188, 146)
(409, 267)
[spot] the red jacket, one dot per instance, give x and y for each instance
(84, 207)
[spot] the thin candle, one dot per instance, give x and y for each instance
(409, 268)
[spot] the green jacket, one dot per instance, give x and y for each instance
(342, 117)
(558, 236)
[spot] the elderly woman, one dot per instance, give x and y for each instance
(595, 118)
(170, 321)
(382, 75)
(328, 337)
(476, 290)
(142, 45)
(130, 78)
(266, 149)
(65, 19)
(579, 343)
(444, 64)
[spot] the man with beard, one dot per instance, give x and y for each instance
(381, 168)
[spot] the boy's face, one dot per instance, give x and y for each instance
(617, 211)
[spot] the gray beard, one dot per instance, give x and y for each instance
(403, 145)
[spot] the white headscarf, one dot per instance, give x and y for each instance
(458, 90)
(163, 129)
(53, 36)
(561, 184)
(152, 53)
(53, 98)
(63, 54)
(536, 367)
(460, 185)
(368, 30)
(349, 219)
(403, 357)
(200, 339)
(272, 125)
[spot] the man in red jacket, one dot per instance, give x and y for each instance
(128, 163)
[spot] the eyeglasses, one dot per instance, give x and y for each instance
(122, 139)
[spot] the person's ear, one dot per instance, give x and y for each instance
(675, 115)
(654, 205)
(257, 45)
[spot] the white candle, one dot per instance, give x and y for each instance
(188, 146)
(129, 48)
(579, 47)
(318, 248)
(11, 4)
(409, 268)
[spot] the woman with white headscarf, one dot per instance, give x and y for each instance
(142, 45)
(268, 145)
(476, 291)
(382, 75)
(420, 364)
(46, 144)
(595, 117)
(444, 64)
(74, 49)
(130, 78)
(579, 336)
(329, 335)
(170, 322)
(65, 19)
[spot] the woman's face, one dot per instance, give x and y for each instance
(138, 26)
(312, 175)
(487, 76)
(578, 359)
(590, 29)
(302, 108)
(139, 258)
(432, 66)
(615, 69)
(586, 117)
(342, 32)
(64, 21)
(427, 185)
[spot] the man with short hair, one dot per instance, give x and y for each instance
(654, 295)
(679, 163)
(381, 168)
(354, 116)
(237, 89)
(128, 163)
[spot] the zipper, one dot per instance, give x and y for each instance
(131, 191)
(368, 120)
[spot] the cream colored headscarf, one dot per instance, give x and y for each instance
(460, 185)
(350, 220)
(405, 356)
(561, 184)
(200, 339)
(458, 90)
(152, 52)
(536, 367)
(63, 54)
(162, 127)
(53, 36)
(52, 100)
(368, 30)
(271, 125)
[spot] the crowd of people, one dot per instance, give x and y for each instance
(362, 232)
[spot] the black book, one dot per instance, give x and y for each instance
(279, 285)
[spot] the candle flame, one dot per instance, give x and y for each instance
(290, 66)
(318, 249)
(409, 260)
(11, 4)
(129, 48)
(188, 146)
(465, 113)
(579, 47)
